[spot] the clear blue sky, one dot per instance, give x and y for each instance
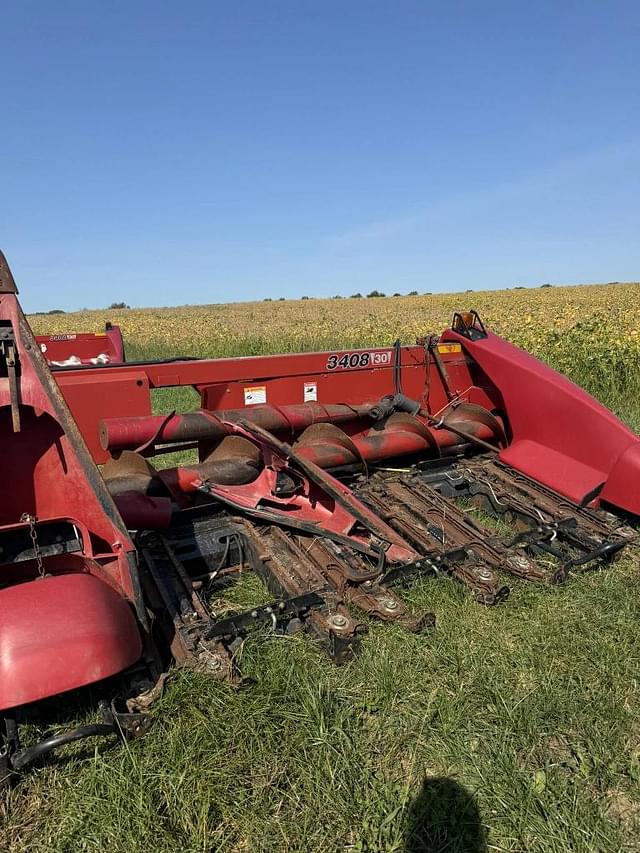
(165, 153)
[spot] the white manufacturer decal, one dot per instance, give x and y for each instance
(310, 392)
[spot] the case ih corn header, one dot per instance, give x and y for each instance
(338, 477)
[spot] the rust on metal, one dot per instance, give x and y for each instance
(335, 505)
(7, 283)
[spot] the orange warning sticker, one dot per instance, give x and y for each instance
(444, 348)
(254, 394)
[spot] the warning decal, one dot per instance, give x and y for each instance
(310, 391)
(255, 394)
(444, 348)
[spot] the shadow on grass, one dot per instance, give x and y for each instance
(444, 818)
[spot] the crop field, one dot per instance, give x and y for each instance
(514, 728)
(591, 332)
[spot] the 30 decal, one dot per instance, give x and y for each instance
(349, 360)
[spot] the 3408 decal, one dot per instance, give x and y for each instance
(349, 360)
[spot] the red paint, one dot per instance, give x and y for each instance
(111, 393)
(387, 444)
(622, 488)
(372, 442)
(560, 435)
(133, 432)
(86, 346)
(311, 504)
(62, 632)
(49, 475)
(142, 512)
(98, 390)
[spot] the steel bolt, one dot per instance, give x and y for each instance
(215, 663)
(338, 621)
(389, 604)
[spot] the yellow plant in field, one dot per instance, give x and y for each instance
(588, 316)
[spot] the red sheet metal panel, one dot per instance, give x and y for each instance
(561, 436)
(91, 393)
(96, 394)
(86, 347)
(62, 632)
(46, 460)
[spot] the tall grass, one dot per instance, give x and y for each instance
(511, 728)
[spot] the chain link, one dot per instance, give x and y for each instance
(26, 518)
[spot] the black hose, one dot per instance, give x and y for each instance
(32, 753)
(604, 552)
(397, 367)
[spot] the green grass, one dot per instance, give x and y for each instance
(515, 728)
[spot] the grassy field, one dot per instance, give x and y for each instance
(515, 728)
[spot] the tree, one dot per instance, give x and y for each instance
(356, 296)
(412, 293)
(374, 294)
(118, 305)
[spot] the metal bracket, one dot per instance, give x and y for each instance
(276, 613)
(430, 564)
(9, 354)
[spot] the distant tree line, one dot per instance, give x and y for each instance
(375, 294)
